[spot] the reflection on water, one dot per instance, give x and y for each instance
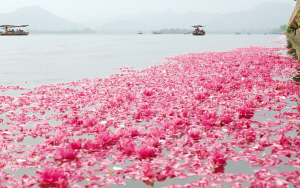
(293, 53)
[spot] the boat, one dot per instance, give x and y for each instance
(140, 33)
(198, 31)
(249, 33)
(238, 33)
(9, 30)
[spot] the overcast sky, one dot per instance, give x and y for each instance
(81, 10)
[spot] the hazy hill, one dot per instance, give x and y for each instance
(117, 24)
(264, 16)
(267, 15)
(38, 18)
(150, 21)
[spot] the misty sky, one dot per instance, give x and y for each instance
(81, 10)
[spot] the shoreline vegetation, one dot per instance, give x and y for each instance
(278, 30)
(71, 31)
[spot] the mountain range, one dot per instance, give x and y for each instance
(38, 18)
(265, 16)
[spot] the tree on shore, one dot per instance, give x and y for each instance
(283, 27)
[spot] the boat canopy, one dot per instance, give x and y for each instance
(196, 26)
(12, 26)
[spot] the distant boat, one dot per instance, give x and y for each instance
(8, 30)
(198, 31)
(156, 32)
(186, 33)
(265, 33)
(249, 33)
(140, 33)
(238, 33)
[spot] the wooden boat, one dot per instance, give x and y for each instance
(198, 31)
(9, 30)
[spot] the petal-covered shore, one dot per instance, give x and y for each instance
(188, 117)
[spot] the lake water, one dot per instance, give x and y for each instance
(50, 59)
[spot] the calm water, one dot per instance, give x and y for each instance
(50, 59)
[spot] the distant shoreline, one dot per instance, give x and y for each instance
(233, 33)
(161, 31)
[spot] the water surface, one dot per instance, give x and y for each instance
(50, 59)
